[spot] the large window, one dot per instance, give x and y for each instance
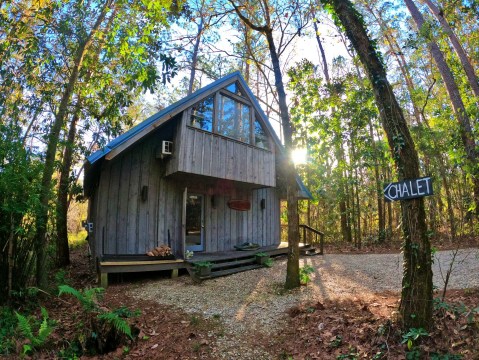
(202, 114)
(232, 117)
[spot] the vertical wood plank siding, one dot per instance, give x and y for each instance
(124, 223)
(203, 153)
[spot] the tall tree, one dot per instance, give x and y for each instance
(462, 117)
(466, 63)
(264, 22)
(53, 138)
(416, 295)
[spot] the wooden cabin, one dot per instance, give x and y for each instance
(202, 175)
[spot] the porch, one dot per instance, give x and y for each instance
(109, 264)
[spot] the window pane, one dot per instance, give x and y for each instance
(234, 88)
(202, 115)
(244, 124)
(233, 119)
(260, 138)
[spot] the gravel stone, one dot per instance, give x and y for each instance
(253, 302)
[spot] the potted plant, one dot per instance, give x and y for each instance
(203, 268)
(262, 258)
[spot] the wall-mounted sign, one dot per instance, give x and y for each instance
(408, 189)
(240, 205)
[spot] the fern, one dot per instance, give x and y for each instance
(24, 326)
(87, 298)
(26, 329)
(117, 322)
(44, 331)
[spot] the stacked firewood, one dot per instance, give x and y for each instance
(162, 250)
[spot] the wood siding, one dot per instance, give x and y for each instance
(225, 228)
(124, 223)
(203, 153)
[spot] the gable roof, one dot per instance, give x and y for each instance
(122, 142)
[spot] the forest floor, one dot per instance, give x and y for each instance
(347, 311)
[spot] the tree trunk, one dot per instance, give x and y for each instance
(11, 239)
(379, 190)
(53, 138)
(323, 55)
(63, 251)
(450, 210)
(292, 272)
(457, 104)
(194, 59)
(466, 64)
(416, 296)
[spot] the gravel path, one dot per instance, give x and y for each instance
(253, 302)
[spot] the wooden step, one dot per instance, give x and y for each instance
(220, 264)
(234, 263)
(230, 271)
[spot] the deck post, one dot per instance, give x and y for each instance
(174, 273)
(103, 279)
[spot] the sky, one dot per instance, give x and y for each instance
(304, 47)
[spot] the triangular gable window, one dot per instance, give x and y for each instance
(260, 137)
(235, 89)
(230, 114)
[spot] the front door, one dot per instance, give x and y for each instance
(194, 222)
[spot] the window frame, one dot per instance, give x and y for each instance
(253, 116)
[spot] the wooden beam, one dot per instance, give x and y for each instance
(139, 262)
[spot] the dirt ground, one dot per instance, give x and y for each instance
(349, 325)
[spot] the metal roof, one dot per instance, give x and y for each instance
(146, 126)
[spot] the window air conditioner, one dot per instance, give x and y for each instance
(167, 147)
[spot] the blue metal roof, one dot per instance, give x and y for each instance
(96, 156)
(152, 119)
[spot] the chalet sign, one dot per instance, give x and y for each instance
(408, 189)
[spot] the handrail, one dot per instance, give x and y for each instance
(314, 231)
(311, 229)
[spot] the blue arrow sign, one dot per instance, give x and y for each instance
(408, 189)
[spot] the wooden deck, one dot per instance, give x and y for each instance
(125, 263)
(281, 249)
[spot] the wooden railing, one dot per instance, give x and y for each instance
(308, 230)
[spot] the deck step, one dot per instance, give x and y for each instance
(223, 268)
(230, 271)
(233, 263)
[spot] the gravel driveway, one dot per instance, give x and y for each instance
(253, 302)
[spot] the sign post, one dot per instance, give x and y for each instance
(408, 189)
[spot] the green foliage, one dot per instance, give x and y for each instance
(261, 254)
(352, 354)
(412, 335)
(336, 342)
(107, 328)
(202, 265)
(304, 273)
(268, 263)
(118, 323)
(19, 180)
(88, 297)
(8, 324)
(27, 329)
